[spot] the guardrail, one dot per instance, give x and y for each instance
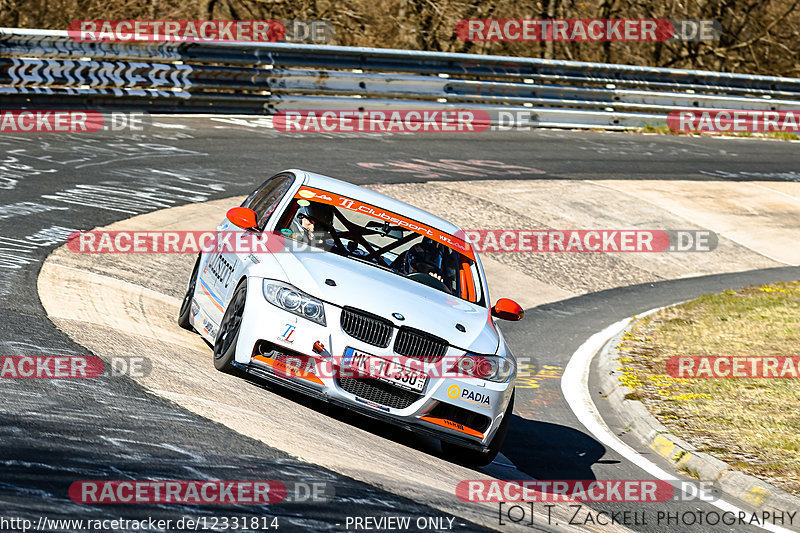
(41, 68)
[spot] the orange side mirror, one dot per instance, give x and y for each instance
(507, 309)
(243, 217)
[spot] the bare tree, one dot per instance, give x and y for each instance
(759, 36)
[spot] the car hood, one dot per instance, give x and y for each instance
(384, 293)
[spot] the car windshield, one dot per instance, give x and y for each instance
(383, 239)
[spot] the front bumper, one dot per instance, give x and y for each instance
(268, 330)
(422, 428)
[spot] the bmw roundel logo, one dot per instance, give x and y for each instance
(398, 316)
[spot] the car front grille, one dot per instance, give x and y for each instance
(379, 392)
(366, 327)
(419, 345)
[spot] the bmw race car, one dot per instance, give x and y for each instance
(366, 302)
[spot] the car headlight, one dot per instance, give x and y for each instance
(490, 367)
(294, 300)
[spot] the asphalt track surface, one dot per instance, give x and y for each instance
(56, 433)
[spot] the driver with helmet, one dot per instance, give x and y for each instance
(312, 223)
(425, 263)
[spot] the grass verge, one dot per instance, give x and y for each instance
(665, 130)
(751, 424)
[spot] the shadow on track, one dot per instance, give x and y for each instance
(551, 451)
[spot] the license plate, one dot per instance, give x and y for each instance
(385, 370)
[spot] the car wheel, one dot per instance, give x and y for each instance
(467, 456)
(184, 317)
(228, 335)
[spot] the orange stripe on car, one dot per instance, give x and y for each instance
(211, 297)
(452, 425)
(286, 371)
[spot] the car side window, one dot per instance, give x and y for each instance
(266, 198)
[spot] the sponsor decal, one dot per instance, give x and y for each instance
(478, 398)
(454, 425)
(288, 333)
(209, 327)
(461, 428)
(467, 395)
(307, 193)
(216, 300)
(371, 404)
(221, 268)
(347, 358)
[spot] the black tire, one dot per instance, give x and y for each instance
(470, 457)
(228, 335)
(186, 307)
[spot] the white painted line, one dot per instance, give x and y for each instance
(795, 198)
(575, 386)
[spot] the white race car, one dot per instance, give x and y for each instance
(366, 302)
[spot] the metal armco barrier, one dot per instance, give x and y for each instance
(41, 68)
